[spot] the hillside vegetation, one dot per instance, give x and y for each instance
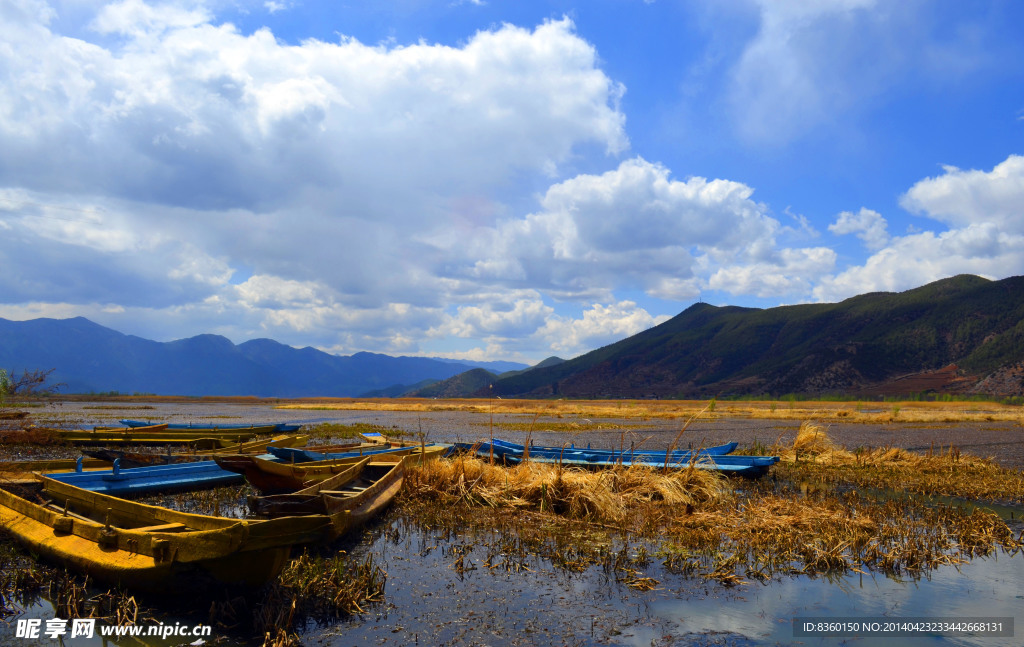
(960, 334)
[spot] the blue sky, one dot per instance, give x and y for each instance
(496, 180)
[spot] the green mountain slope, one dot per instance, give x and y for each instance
(857, 344)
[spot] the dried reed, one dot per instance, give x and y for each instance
(948, 472)
(603, 495)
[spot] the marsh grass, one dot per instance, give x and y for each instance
(814, 457)
(323, 588)
(701, 525)
(605, 496)
(35, 437)
(23, 582)
(329, 430)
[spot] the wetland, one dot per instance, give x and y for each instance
(862, 518)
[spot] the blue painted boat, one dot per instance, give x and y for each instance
(158, 478)
(546, 451)
(750, 466)
(278, 428)
(300, 455)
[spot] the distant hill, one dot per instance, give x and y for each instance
(459, 386)
(962, 334)
(89, 358)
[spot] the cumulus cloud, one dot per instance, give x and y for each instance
(632, 227)
(961, 198)
(868, 225)
(599, 326)
(792, 272)
(319, 164)
(987, 237)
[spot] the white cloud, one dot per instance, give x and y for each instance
(961, 198)
(599, 326)
(629, 228)
(910, 261)
(499, 317)
(868, 225)
(986, 238)
(793, 272)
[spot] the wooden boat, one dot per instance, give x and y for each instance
(148, 547)
(272, 477)
(350, 497)
(157, 435)
(21, 471)
(157, 478)
(7, 414)
(307, 455)
(279, 427)
(129, 459)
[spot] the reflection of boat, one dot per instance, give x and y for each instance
(278, 428)
(150, 547)
(350, 498)
(272, 477)
(155, 478)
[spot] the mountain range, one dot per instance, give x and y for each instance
(963, 334)
(89, 358)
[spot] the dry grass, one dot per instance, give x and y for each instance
(815, 458)
(604, 495)
(869, 412)
(732, 531)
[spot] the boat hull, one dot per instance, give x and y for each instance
(152, 548)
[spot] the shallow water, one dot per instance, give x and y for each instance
(527, 600)
(431, 602)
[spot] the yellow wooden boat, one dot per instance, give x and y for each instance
(148, 547)
(273, 477)
(160, 434)
(350, 498)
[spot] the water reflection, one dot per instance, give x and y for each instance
(451, 588)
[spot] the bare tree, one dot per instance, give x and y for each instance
(30, 383)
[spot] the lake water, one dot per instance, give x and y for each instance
(528, 600)
(430, 602)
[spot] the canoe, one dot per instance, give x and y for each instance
(502, 450)
(129, 459)
(157, 435)
(148, 547)
(177, 477)
(332, 494)
(273, 477)
(748, 466)
(544, 451)
(306, 455)
(351, 497)
(21, 471)
(278, 428)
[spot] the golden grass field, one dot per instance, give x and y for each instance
(868, 412)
